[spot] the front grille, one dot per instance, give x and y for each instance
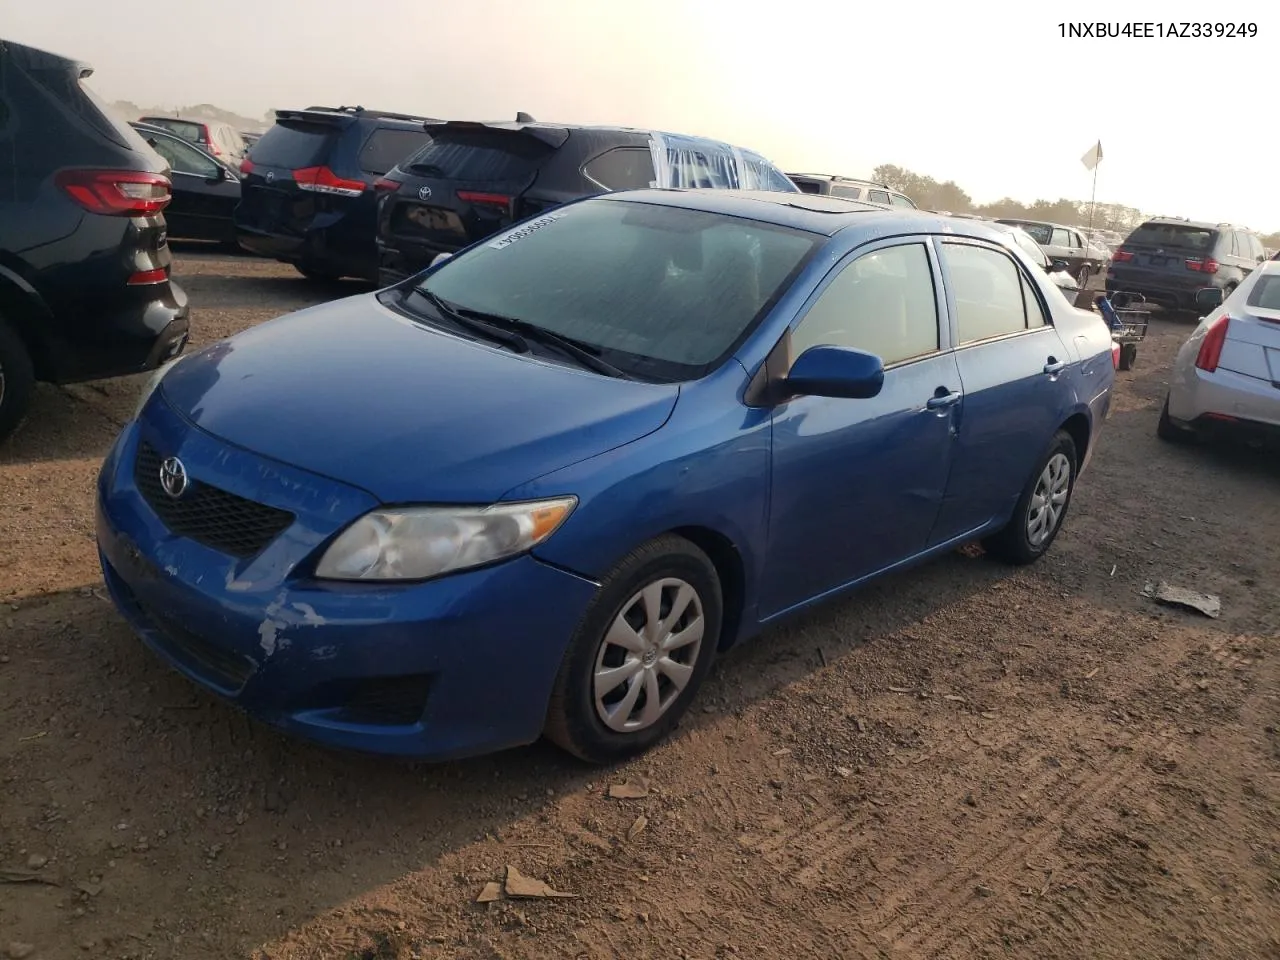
(221, 668)
(209, 515)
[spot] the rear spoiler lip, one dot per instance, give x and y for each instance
(552, 136)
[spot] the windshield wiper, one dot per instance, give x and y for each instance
(464, 319)
(585, 354)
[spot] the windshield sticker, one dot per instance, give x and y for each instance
(525, 230)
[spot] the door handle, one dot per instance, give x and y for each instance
(1054, 366)
(943, 401)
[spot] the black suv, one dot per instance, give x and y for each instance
(307, 192)
(1169, 260)
(475, 179)
(84, 262)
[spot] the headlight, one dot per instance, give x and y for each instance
(157, 375)
(415, 543)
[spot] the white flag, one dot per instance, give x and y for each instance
(1090, 159)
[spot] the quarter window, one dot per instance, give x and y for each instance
(883, 303)
(849, 193)
(622, 168)
(992, 297)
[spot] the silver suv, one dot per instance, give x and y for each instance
(851, 189)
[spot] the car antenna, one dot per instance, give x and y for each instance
(522, 117)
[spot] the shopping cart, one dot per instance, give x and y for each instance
(1127, 314)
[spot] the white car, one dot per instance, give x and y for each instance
(1226, 378)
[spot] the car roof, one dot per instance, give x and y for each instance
(555, 134)
(1039, 223)
(815, 213)
(1198, 224)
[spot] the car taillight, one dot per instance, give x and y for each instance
(159, 275)
(246, 166)
(1202, 266)
(500, 200)
(117, 193)
(1121, 256)
(385, 184)
(1211, 347)
(324, 180)
(1115, 355)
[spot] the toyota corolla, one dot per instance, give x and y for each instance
(537, 488)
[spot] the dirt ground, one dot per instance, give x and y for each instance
(961, 761)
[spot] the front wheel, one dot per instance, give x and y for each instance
(640, 653)
(1042, 507)
(1082, 277)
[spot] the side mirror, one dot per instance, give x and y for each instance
(1059, 264)
(220, 174)
(826, 371)
(1208, 300)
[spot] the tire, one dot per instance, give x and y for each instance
(580, 705)
(313, 273)
(1170, 432)
(1128, 355)
(17, 381)
(1015, 543)
(1082, 277)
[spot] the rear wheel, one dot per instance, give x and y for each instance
(17, 380)
(1082, 277)
(1128, 355)
(1042, 507)
(640, 653)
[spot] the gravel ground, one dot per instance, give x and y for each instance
(962, 761)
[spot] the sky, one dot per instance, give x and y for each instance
(988, 94)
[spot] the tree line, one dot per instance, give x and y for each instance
(929, 194)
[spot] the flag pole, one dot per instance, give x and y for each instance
(1093, 196)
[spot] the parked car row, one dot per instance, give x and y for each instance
(352, 192)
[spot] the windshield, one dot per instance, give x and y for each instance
(663, 292)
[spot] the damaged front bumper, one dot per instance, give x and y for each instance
(454, 667)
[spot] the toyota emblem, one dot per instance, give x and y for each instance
(173, 477)
(424, 193)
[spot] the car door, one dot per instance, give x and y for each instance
(1060, 249)
(1013, 368)
(857, 483)
(204, 193)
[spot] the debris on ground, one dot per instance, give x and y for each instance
(629, 790)
(1172, 596)
(637, 828)
(529, 888)
(492, 891)
(8, 875)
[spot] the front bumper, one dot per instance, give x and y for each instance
(454, 667)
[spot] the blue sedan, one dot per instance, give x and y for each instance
(537, 488)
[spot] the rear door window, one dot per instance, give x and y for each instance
(1060, 238)
(990, 296)
(480, 156)
(385, 148)
(294, 145)
(183, 128)
(849, 193)
(622, 168)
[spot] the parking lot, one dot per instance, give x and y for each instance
(959, 761)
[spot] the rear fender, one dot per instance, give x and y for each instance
(22, 307)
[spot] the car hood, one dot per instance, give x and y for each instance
(360, 394)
